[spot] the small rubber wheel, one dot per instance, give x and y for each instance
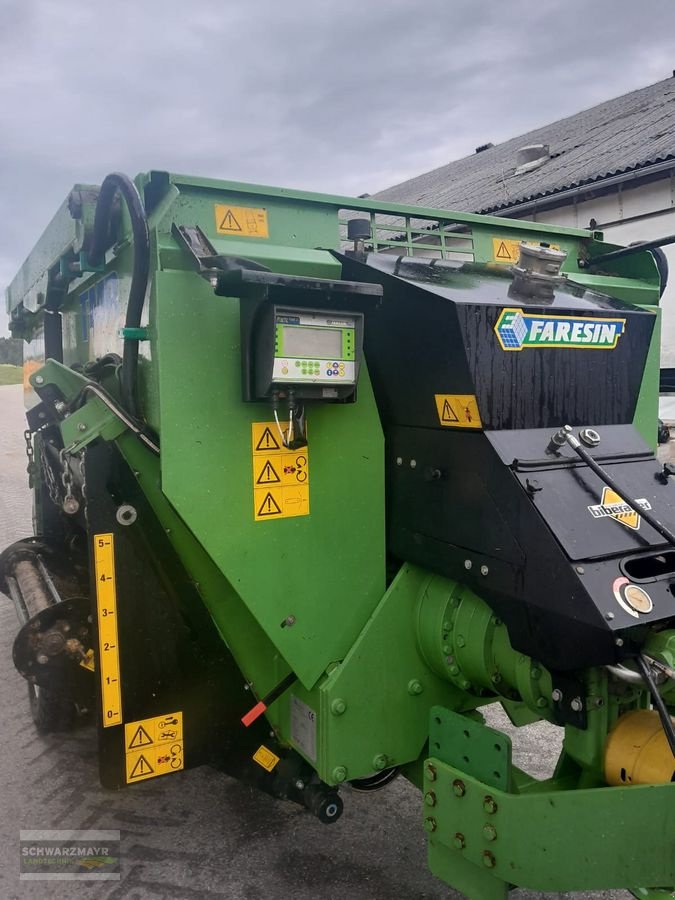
(50, 711)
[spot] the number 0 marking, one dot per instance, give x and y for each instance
(106, 603)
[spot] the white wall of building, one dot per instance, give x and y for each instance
(631, 214)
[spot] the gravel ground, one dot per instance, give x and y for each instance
(200, 834)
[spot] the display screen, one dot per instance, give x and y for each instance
(312, 343)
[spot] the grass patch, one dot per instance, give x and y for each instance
(10, 374)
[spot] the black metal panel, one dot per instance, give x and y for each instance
(565, 495)
(171, 656)
(491, 508)
(435, 333)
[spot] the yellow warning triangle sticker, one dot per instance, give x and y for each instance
(229, 222)
(503, 252)
(448, 414)
(267, 441)
(141, 768)
(269, 506)
(141, 738)
(268, 475)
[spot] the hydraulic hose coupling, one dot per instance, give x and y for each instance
(560, 438)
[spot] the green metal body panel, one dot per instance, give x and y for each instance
(537, 841)
(281, 568)
(486, 833)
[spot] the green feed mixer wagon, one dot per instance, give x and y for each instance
(317, 479)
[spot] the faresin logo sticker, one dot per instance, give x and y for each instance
(517, 330)
(612, 506)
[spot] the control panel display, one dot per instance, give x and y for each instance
(314, 348)
(302, 353)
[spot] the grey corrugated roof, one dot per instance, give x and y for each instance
(627, 133)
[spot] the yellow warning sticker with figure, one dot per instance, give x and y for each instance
(280, 475)
(153, 747)
(265, 758)
(507, 250)
(245, 221)
(458, 410)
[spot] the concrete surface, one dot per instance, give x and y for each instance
(199, 834)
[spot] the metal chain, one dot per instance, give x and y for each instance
(50, 480)
(70, 503)
(83, 484)
(30, 453)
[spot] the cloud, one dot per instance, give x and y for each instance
(339, 97)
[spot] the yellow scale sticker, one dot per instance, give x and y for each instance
(280, 475)
(265, 758)
(108, 650)
(507, 250)
(153, 747)
(458, 410)
(245, 221)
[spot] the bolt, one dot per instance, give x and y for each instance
(339, 773)
(454, 670)
(484, 570)
(541, 702)
(430, 798)
(42, 659)
(459, 841)
(415, 687)
(413, 463)
(447, 626)
(461, 642)
(619, 642)
(556, 695)
(213, 281)
(288, 622)
(576, 704)
(82, 426)
(399, 460)
(535, 673)
(609, 616)
(380, 761)
(489, 860)
(496, 678)
(489, 832)
(338, 706)
(464, 684)
(430, 824)
(39, 379)
(489, 805)
(300, 784)
(458, 788)
(447, 648)
(467, 563)
(430, 772)
(580, 570)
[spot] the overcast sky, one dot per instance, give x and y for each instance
(342, 97)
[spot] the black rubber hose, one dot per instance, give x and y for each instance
(111, 184)
(666, 721)
(609, 481)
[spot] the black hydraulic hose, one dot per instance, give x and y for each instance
(627, 251)
(111, 184)
(609, 481)
(657, 699)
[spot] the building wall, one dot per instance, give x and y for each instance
(631, 214)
